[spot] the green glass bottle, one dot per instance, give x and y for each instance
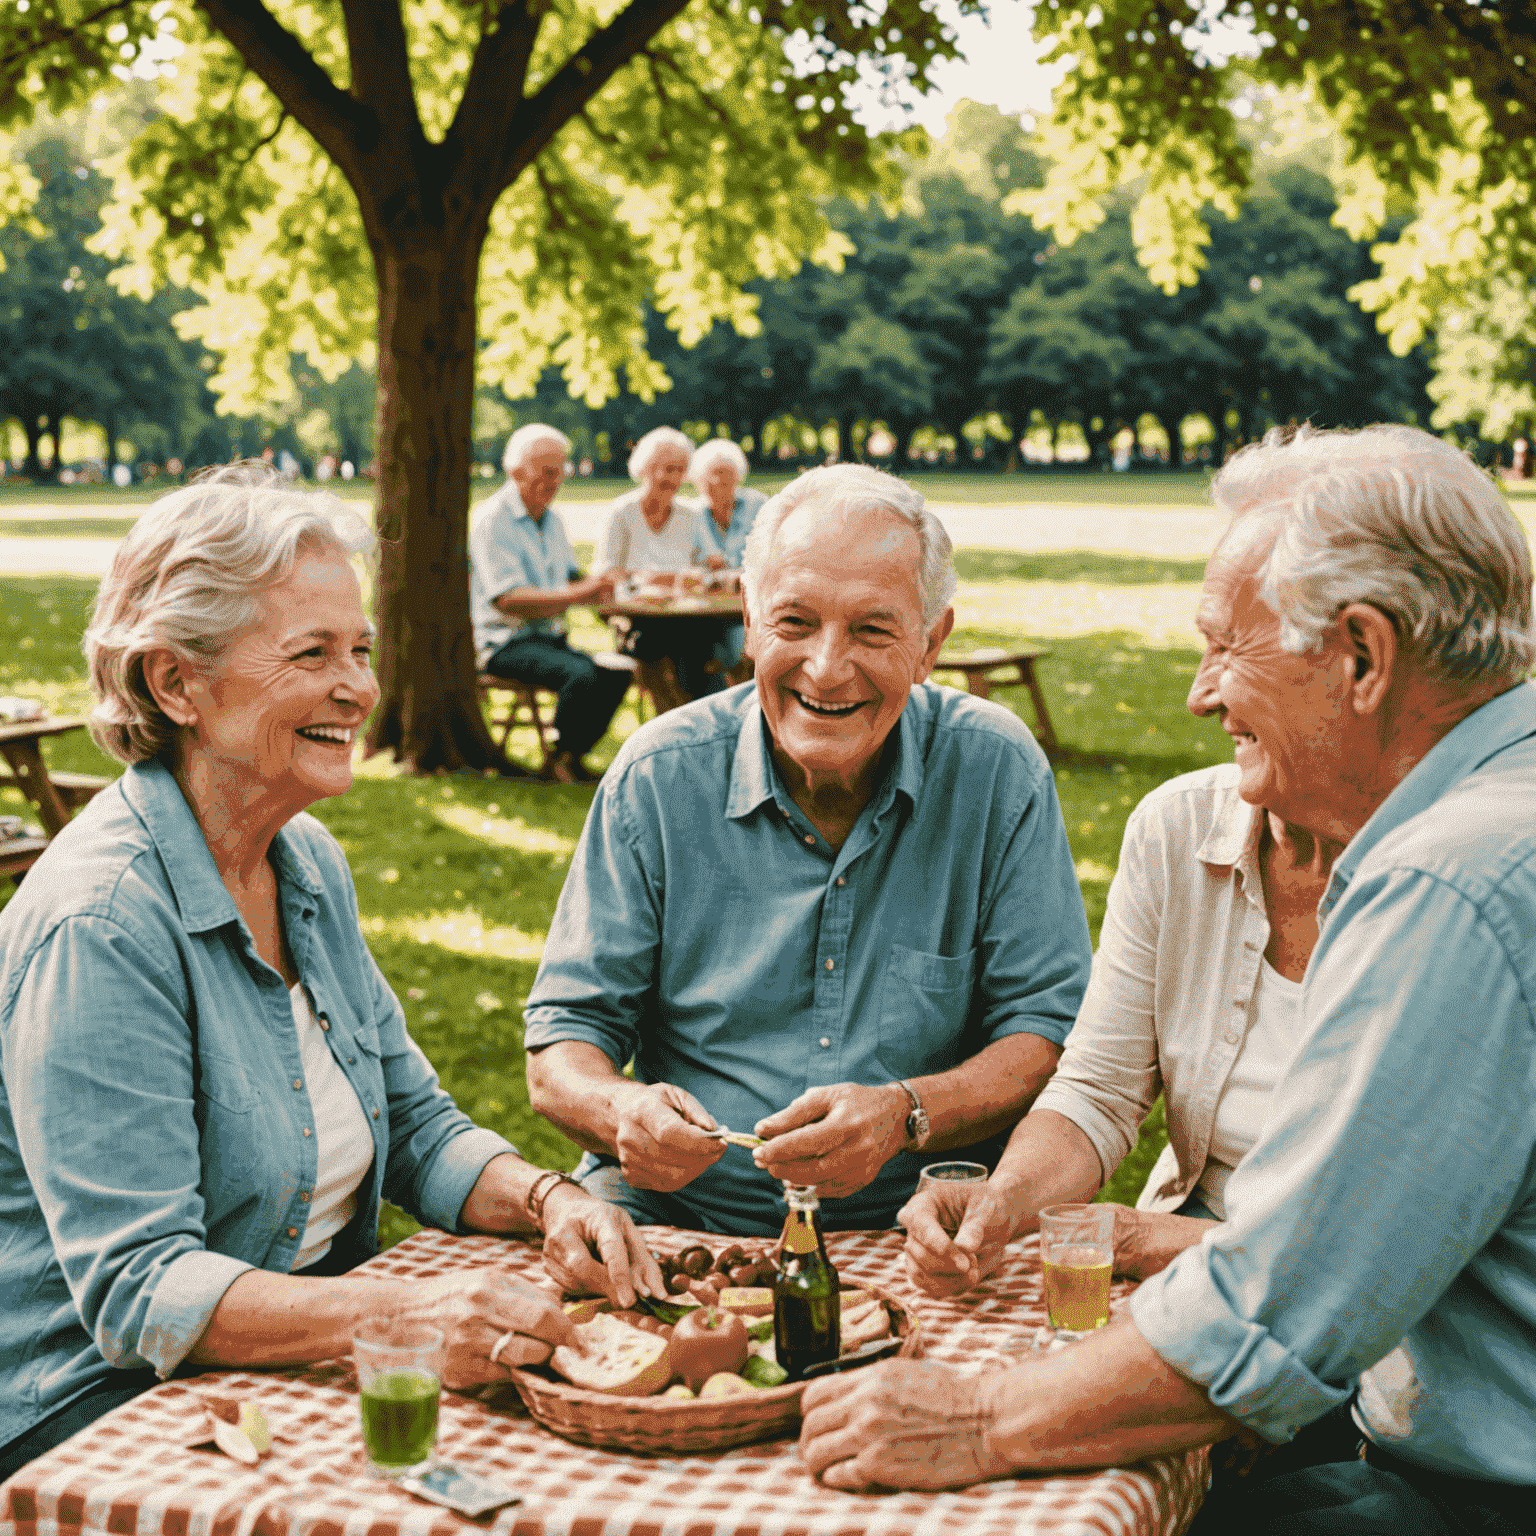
(806, 1313)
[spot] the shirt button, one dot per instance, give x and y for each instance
(298, 1082)
(829, 965)
(810, 839)
(325, 1023)
(307, 1131)
(351, 1061)
(825, 1043)
(841, 881)
(375, 1114)
(1232, 1037)
(304, 1196)
(293, 1231)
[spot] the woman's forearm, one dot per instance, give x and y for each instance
(1048, 1161)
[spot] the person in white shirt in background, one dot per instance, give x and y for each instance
(653, 531)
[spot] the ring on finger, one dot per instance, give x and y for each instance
(500, 1345)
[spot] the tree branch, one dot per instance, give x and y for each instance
(535, 122)
(494, 89)
(343, 128)
(376, 50)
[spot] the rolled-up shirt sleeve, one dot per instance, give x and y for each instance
(1396, 1144)
(1108, 1077)
(592, 988)
(102, 1097)
(1034, 948)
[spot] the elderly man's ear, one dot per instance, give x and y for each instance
(166, 679)
(1372, 638)
(936, 638)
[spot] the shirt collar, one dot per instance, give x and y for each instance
(512, 499)
(202, 898)
(1486, 732)
(1234, 830)
(754, 778)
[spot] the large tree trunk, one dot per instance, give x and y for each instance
(429, 712)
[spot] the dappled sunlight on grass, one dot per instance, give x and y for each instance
(1162, 615)
(464, 932)
(503, 831)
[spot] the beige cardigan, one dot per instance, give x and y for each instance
(1167, 1009)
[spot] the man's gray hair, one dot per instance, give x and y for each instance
(526, 439)
(186, 579)
(858, 488)
(1399, 519)
(655, 441)
(718, 450)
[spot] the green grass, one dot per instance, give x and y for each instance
(457, 878)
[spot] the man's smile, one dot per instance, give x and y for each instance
(830, 710)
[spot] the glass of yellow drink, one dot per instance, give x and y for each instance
(399, 1379)
(1077, 1256)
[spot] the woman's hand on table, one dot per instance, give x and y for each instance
(476, 1309)
(591, 1245)
(955, 1235)
(901, 1424)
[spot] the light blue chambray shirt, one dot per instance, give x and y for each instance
(729, 544)
(507, 549)
(1392, 1194)
(707, 930)
(152, 1103)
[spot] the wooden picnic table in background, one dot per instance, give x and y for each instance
(135, 1471)
(55, 796)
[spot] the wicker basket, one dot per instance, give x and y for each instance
(657, 1426)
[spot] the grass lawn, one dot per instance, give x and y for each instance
(457, 879)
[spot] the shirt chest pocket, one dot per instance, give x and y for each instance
(232, 1136)
(925, 1001)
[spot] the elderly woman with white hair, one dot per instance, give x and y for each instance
(208, 1084)
(726, 516)
(651, 531)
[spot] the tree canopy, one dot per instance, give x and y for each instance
(1435, 109)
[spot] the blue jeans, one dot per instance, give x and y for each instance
(689, 642)
(600, 1177)
(1318, 1486)
(589, 694)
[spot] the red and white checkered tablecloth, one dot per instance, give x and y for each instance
(133, 1473)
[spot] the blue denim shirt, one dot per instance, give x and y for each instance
(730, 543)
(508, 548)
(1392, 1196)
(708, 931)
(152, 1102)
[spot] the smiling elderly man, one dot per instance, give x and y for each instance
(836, 907)
(1368, 630)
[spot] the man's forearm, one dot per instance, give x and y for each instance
(988, 1093)
(1109, 1400)
(577, 1088)
(545, 603)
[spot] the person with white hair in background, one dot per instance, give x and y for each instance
(653, 531)
(726, 514)
(206, 1084)
(523, 577)
(837, 908)
(1367, 649)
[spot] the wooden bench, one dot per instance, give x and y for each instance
(995, 667)
(75, 789)
(19, 854)
(523, 710)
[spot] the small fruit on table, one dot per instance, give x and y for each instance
(680, 1392)
(726, 1384)
(695, 1262)
(707, 1342)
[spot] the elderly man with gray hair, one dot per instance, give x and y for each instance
(1368, 633)
(522, 578)
(835, 907)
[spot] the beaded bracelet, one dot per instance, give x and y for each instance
(539, 1191)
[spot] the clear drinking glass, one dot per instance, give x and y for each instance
(1077, 1256)
(400, 1379)
(952, 1173)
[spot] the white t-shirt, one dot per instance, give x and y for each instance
(627, 541)
(343, 1140)
(1274, 1024)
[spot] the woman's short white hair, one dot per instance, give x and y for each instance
(718, 450)
(1394, 517)
(186, 580)
(523, 442)
(656, 441)
(857, 488)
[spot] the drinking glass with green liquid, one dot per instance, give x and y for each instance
(1077, 1256)
(400, 1377)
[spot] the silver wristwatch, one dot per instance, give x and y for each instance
(917, 1120)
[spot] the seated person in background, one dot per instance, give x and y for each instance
(726, 514)
(206, 1085)
(837, 908)
(522, 578)
(1195, 995)
(654, 531)
(1368, 658)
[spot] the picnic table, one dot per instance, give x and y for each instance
(54, 796)
(658, 678)
(133, 1472)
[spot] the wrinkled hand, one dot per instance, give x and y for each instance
(660, 1139)
(902, 1424)
(1149, 1241)
(590, 1246)
(836, 1138)
(955, 1235)
(474, 1308)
